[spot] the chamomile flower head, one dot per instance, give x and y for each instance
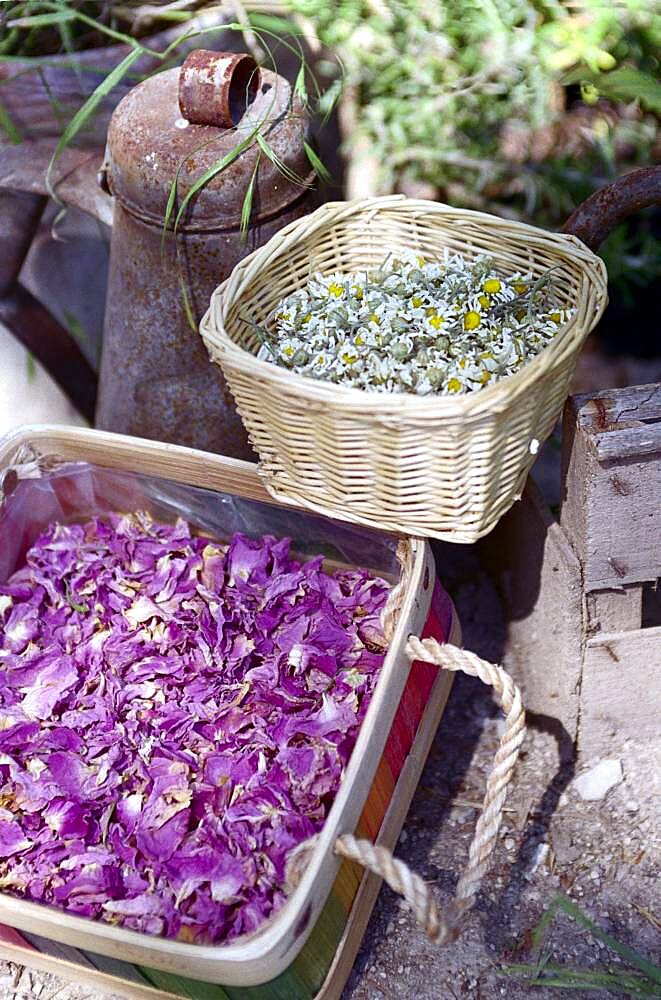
(446, 326)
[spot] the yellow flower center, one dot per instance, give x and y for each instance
(416, 301)
(556, 317)
(462, 362)
(307, 318)
(485, 377)
(335, 289)
(421, 261)
(374, 319)
(437, 321)
(492, 286)
(454, 385)
(349, 359)
(358, 340)
(431, 311)
(288, 351)
(358, 292)
(484, 301)
(520, 287)
(471, 320)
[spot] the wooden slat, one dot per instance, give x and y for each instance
(75, 973)
(611, 512)
(615, 610)
(539, 579)
(621, 675)
(623, 442)
(613, 406)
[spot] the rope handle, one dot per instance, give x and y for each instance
(443, 928)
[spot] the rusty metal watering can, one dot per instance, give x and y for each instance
(155, 379)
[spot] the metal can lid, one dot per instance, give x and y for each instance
(150, 144)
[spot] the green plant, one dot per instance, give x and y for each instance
(644, 982)
(455, 94)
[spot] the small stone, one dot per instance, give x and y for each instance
(400, 969)
(510, 843)
(403, 837)
(593, 785)
(631, 806)
(539, 857)
(390, 929)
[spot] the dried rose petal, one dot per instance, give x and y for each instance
(175, 717)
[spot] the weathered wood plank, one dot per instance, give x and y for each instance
(621, 678)
(610, 511)
(539, 579)
(613, 406)
(615, 610)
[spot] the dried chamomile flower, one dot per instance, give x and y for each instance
(415, 325)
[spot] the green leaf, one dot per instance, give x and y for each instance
(87, 110)
(629, 84)
(9, 127)
(246, 207)
(317, 164)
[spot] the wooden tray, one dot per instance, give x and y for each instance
(306, 952)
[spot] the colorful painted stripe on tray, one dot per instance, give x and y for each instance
(305, 976)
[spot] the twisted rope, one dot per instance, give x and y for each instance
(443, 928)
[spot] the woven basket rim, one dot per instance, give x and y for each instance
(221, 345)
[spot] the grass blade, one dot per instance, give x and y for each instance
(9, 127)
(317, 165)
(300, 90)
(273, 24)
(88, 109)
(214, 169)
(246, 207)
(628, 954)
(277, 162)
(43, 20)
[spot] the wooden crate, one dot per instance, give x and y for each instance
(584, 629)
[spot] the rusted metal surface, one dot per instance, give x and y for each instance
(20, 214)
(217, 88)
(149, 144)
(605, 209)
(75, 178)
(34, 326)
(156, 378)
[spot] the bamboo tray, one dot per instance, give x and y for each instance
(307, 950)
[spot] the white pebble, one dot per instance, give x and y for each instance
(593, 785)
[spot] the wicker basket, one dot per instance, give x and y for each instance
(444, 467)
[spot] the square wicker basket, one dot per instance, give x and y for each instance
(442, 467)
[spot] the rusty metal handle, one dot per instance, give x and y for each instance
(599, 214)
(215, 88)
